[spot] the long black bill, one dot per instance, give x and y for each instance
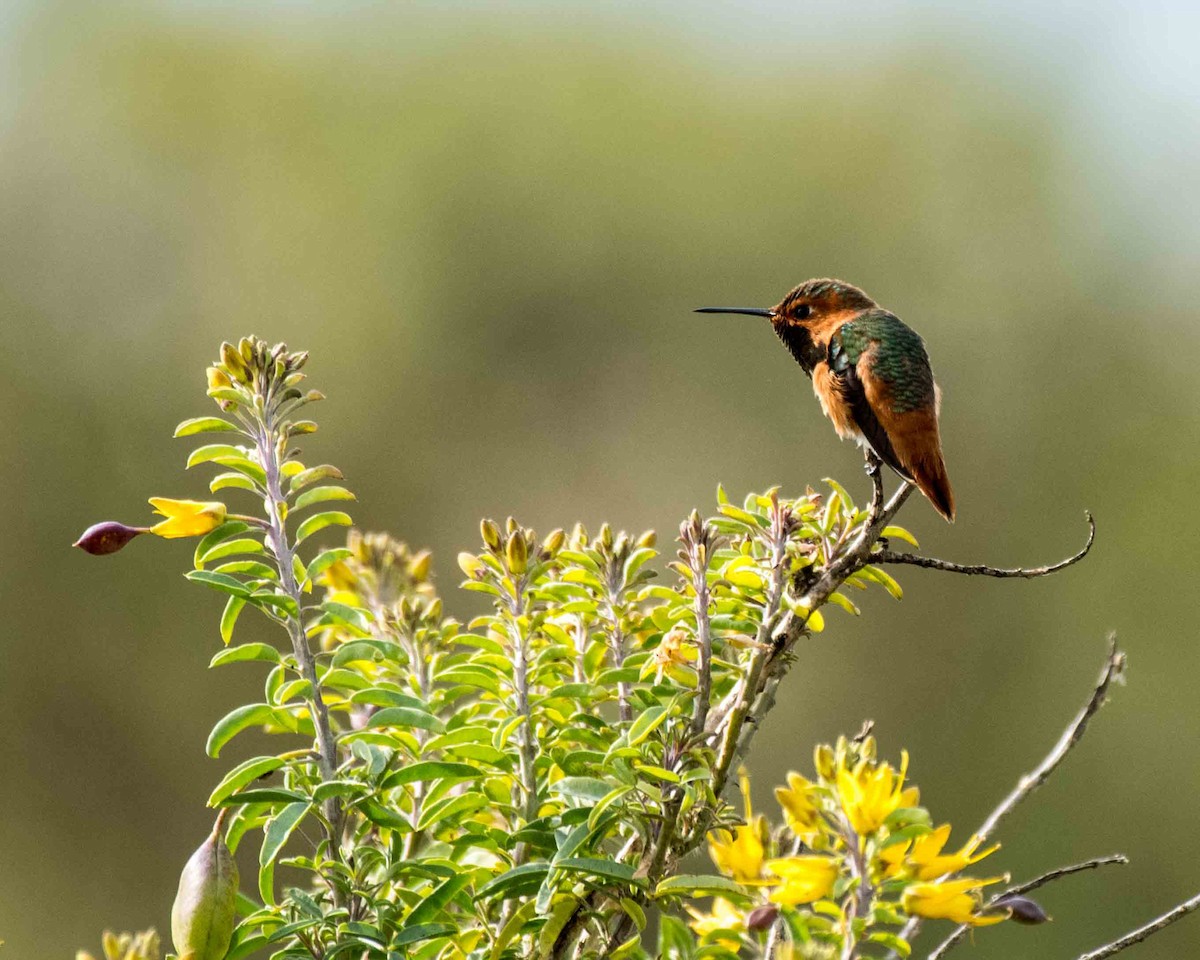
(749, 311)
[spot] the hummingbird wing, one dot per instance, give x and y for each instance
(885, 378)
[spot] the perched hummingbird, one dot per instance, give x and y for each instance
(871, 373)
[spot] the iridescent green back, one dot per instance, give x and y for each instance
(899, 359)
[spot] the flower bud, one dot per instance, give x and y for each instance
(218, 379)
(554, 541)
(647, 539)
(420, 565)
(203, 916)
(107, 537)
(516, 552)
(824, 762)
(491, 534)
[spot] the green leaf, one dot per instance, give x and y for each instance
(337, 788)
(229, 548)
(219, 581)
(305, 478)
(234, 722)
(527, 878)
(437, 901)
(242, 774)
(236, 481)
(426, 770)
(583, 788)
(450, 807)
(227, 529)
(898, 533)
(645, 724)
(323, 561)
(321, 495)
(203, 425)
(693, 885)
(596, 867)
(216, 451)
(408, 717)
(385, 817)
(423, 931)
(319, 521)
(245, 652)
(884, 579)
(350, 616)
(275, 835)
(271, 795)
(512, 928)
(233, 606)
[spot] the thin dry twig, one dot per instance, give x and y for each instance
(1114, 667)
(961, 931)
(982, 569)
(1141, 933)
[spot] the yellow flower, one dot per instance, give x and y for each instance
(342, 583)
(741, 854)
(927, 862)
(805, 879)
(871, 792)
(724, 916)
(186, 518)
(801, 813)
(957, 900)
(672, 656)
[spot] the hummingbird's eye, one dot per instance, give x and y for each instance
(802, 311)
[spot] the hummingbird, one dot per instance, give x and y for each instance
(871, 373)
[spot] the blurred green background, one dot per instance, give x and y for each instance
(489, 223)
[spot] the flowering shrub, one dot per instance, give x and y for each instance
(527, 784)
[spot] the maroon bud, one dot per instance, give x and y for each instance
(107, 537)
(1021, 909)
(761, 917)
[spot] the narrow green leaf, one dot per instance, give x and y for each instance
(234, 722)
(214, 451)
(236, 481)
(527, 877)
(319, 521)
(706, 885)
(596, 867)
(227, 529)
(450, 807)
(278, 829)
(436, 902)
(245, 652)
(242, 774)
(324, 560)
(219, 581)
(230, 548)
(645, 724)
(407, 717)
(423, 931)
(425, 770)
(898, 533)
(321, 495)
(305, 478)
(203, 425)
(583, 788)
(233, 606)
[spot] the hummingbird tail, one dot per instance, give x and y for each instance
(931, 479)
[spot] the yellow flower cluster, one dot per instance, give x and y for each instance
(858, 821)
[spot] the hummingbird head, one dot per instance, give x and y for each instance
(805, 311)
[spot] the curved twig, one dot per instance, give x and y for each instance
(961, 931)
(1114, 667)
(1141, 933)
(982, 569)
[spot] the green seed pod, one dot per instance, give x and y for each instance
(516, 551)
(203, 916)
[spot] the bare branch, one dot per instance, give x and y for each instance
(1141, 933)
(983, 570)
(1114, 666)
(961, 931)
